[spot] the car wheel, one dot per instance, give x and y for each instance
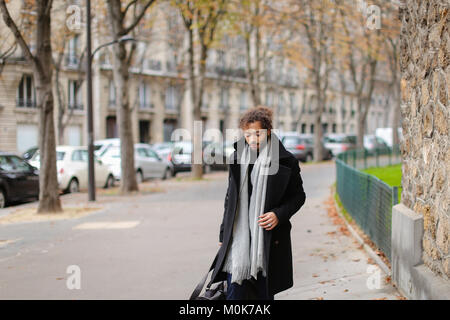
(166, 173)
(309, 157)
(109, 182)
(2, 199)
(139, 177)
(74, 186)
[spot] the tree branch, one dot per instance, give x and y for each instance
(19, 38)
(137, 19)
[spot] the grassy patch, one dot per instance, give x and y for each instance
(342, 209)
(391, 175)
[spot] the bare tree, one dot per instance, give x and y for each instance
(391, 37)
(312, 25)
(201, 19)
(41, 62)
(361, 47)
(123, 19)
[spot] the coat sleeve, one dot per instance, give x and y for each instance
(225, 205)
(294, 196)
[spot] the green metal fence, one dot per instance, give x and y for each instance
(362, 158)
(365, 197)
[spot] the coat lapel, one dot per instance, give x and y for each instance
(276, 183)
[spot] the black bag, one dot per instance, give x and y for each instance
(217, 291)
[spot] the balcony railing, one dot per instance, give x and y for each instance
(76, 106)
(25, 103)
(72, 61)
(146, 106)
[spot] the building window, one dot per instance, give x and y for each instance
(171, 98)
(269, 98)
(303, 127)
(292, 102)
(72, 54)
(243, 100)
(26, 93)
(75, 95)
(144, 96)
(224, 95)
(112, 94)
(281, 108)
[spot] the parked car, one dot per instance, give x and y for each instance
(181, 157)
(19, 181)
(100, 146)
(163, 149)
(339, 142)
(27, 155)
(386, 134)
(301, 145)
(372, 143)
(72, 169)
(216, 154)
(146, 161)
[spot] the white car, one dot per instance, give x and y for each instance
(72, 168)
(100, 146)
(146, 161)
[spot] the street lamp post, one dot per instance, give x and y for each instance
(91, 173)
(90, 56)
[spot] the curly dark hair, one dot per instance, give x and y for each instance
(259, 113)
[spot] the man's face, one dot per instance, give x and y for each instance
(255, 135)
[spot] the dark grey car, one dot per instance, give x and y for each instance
(19, 181)
(302, 146)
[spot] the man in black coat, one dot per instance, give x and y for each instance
(284, 197)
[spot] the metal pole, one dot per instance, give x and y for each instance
(91, 173)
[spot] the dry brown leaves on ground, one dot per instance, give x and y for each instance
(335, 217)
(31, 215)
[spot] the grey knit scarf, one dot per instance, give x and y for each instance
(245, 257)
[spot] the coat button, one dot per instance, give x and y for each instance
(276, 241)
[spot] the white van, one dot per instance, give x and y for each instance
(386, 134)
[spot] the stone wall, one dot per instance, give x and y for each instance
(425, 65)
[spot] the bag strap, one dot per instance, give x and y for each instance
(200, 285)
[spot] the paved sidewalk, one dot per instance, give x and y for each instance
(328, 262)
(159, 245)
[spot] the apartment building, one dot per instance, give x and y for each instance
(158, 91)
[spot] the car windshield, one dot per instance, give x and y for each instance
(13, 163)
(291, 141)
(337, 139)
(183, 148)
(59, 156)
(163, 145)
(80, 155)
(5, 164)
(113, 152)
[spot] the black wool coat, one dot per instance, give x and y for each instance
(285, 196)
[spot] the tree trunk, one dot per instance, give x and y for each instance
(196, 100)
(318, 125)
(253, 72)
(49, 200)
(396, 115)
(48, 182)
(128, 182)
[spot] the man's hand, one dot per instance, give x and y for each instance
(220, 243)
(268, 218)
